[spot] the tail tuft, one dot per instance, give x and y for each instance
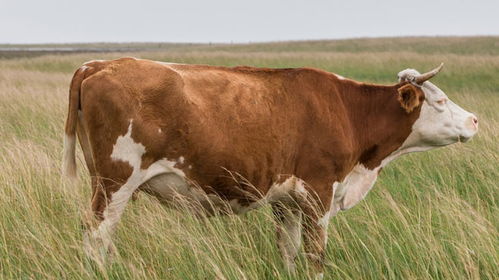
(69, 160)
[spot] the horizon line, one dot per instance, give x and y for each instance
(257, 42)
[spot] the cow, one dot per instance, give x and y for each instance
(230, 139)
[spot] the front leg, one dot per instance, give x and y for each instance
(315, 223)
(288, 231)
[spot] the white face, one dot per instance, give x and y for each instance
(441, 121)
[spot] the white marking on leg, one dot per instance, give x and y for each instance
(334, 208)
(324, 220)
(113, 212)
(291, 188)
(289, 231)
(289, 237)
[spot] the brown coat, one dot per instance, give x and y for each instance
(235, 132)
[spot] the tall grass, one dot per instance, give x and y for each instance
(431, 216)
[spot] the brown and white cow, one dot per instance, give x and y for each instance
(306, 141)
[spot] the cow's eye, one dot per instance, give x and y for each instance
(442, 101)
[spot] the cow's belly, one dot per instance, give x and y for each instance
(175, 191)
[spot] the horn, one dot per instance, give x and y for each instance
(428, 75)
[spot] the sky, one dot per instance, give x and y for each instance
(59, 21)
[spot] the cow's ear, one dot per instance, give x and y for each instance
(409, 97)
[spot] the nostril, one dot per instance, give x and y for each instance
(474, 121)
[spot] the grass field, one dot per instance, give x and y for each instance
(432, 215)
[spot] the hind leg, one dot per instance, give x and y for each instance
(108, 203)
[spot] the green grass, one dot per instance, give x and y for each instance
(431, 215)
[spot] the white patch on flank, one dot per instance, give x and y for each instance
(159, 130)
(127, 150)
(190, 167)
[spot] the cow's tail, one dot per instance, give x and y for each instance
(69, 160)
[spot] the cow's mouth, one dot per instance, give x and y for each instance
(463, 139)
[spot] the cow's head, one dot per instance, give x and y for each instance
(441, 122)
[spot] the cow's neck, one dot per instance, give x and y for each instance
(379, 123)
